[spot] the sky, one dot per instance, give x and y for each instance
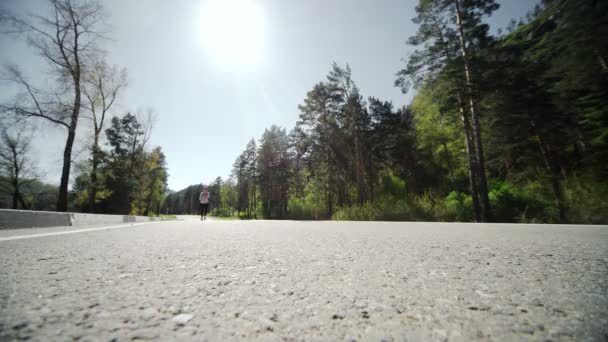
(216, 76)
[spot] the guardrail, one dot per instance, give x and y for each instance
(11, 219)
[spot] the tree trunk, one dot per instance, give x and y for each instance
(484, 201)
(448, 159)
(370, 178)
(16, 170)
(360, 171)
(93, 191)
(15, 199)
(149, 204)
(94, 162)
(255, 201)
(602, 61)
(22, 201)
(471, 152)
(559, 198)
(297, 175)
(554, 172)
(556, 184)
(328, 190)
(62, 200)
(470, 146)
(18, 198)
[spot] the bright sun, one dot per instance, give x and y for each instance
(233, 31)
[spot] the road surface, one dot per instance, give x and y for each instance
(292, 281)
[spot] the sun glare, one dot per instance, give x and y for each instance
(232, 31)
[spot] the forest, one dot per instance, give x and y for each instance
(119, 173)
(510, 127)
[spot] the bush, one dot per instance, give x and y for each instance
(392, 186)
(540, 206)
(425, 207)
(587, 199)
(306, 208)
(366, 212)
(428, 207)
(526, 204)
(532, 202)
(459, 207)
(509, 204)
(222, 212)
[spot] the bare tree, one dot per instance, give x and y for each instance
(148, 120)
(16, 169)
(102, 85)
(65, 38)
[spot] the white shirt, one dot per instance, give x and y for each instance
(204, 197)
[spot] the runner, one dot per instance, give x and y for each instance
(204, 199)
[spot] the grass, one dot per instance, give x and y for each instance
(229, 218)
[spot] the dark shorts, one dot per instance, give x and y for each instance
(204, 209)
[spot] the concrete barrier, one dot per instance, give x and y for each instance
(78, 219)
(27, 219)
(10, 219)
(146, 219)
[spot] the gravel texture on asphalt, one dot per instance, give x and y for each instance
(292, 281)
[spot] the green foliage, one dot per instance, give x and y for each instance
(229, 197)
(233, 217)
(507, 202)
(424, 207)
(36, 195)
(223, 212)
(427, 207)
(365, 212)
(274, 172)
(439, 134)
(306, 209)
(16, 168)
(395, 203)
(82, 186)
(541, 206)
(152, 185)
(531, 203)
(245, 175)
(130, 179)
(572, 43)
(393, 185)
(183, 202)
(459, 207)
(588, 200)
(510, 203)
(534, 101)
(309, 207)
(223, 199)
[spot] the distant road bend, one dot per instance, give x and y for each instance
(291, 281)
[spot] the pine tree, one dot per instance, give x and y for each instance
(319, 122)
(450, 31)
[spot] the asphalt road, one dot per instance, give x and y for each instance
(285, 280)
